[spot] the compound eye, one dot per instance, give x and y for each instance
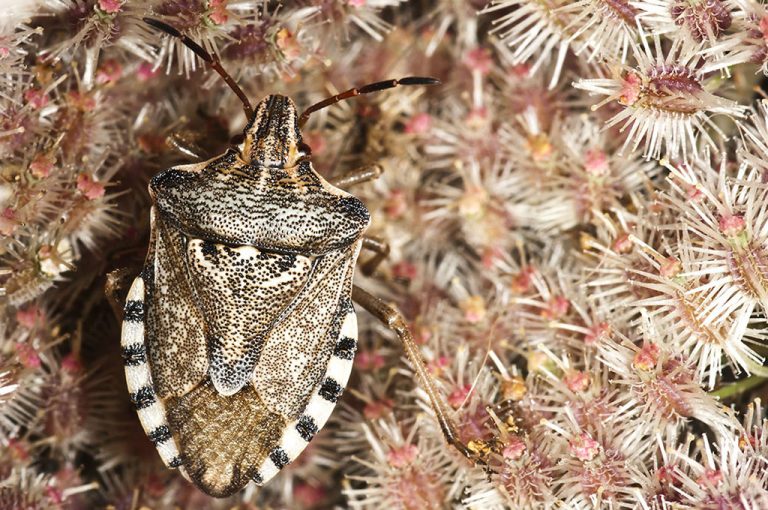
(306, 149)
(237, 139)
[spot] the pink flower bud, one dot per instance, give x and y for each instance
(27, 355)
(17, 449)
(109, 72)
(418, 124)
(36, 98)
(557, 307)
(490, 255)
(622, 244)
(378, 409)
(577, 381)
(670, 267)
(308, 495)
(479, 60)
(146, 71)
(514, 449)
(110, 6)
(405, 270)
(396, 204)
(459, 395)
(436, 366)
(597, 333)
(288, 44)
(71, 364)
(88, 187)
(41, 166)
(8, 222)
(584, 448)
(474, 308)
(521, 282)
(28, 317)
(596, 163)
(400, 457)
(711, 477)
(83, 101)
(647, 357)
(520, 70)
(631, 85)
(367, 360)
(421, 333)
(732, 225)
(764, 26)
(695, 194)
(219, 14)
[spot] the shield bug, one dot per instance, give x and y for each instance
(239, 334)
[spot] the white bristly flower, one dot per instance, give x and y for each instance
(536, 31)
(665, 100)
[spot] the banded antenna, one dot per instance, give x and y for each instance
(365, 89)
(212, 60)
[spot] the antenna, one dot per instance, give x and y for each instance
(212, 60)
(365, 89)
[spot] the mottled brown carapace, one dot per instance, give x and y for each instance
(239, 334)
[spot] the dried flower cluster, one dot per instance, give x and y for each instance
(578, 223)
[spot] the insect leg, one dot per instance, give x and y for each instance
(358, 175)
(380, 248)
(178, 142)
(117, 280)
(392, 318)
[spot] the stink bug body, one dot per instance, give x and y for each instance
(239, 334)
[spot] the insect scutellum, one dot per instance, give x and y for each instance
(239, 334)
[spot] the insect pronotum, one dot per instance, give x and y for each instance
(239, 334)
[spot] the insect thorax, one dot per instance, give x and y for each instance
(262, 193)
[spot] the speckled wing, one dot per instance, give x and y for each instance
(241, 292)
(174, 325)
(227, 441)
(298, 348)
(308, 360)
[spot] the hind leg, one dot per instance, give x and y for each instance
(392, 318)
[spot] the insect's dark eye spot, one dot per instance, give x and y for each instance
(306, 149)
(170, 178)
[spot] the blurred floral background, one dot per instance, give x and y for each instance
(578, 224)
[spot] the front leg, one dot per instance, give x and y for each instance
(358, 176)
